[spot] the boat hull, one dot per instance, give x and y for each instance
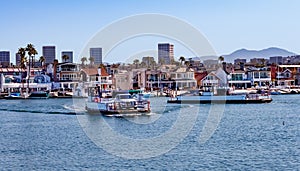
(230, 99)
(106, 108)
(220, 101)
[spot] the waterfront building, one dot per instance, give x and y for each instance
(165, 53)
(67, 72)
(239, 79)
(69, 54)
(216, 78)
(259, 76)
(4, 58)
(184, 78)
(49, 54)
(122, 80)
(138, 78)
(287, 75)
(89, 75)
(96, 53)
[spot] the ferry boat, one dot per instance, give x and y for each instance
(124, 104)
(221, 97)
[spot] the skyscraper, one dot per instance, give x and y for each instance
(49, 54)
(69, 54)
(165, 53)
(4, 58)
(96, 53)
(18, 59)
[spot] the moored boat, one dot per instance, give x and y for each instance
(222, 98)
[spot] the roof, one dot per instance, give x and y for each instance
(11, 70)
(94, 71)
(289, 66)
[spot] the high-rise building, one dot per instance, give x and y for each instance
(18, 59)
(49, 54)
(4, 58)
(165, 53)
(96, 53)
(69, 54)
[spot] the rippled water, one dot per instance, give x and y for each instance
(47, 135)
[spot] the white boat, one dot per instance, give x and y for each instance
(121, 104)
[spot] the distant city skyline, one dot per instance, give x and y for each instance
(228, 25)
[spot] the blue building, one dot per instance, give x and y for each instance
(4, 58)
(96, 53)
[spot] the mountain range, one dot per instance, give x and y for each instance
(264, 53)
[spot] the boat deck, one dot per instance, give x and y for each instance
(175, 101)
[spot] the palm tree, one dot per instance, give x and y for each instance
(143, 64)
(31, 51)
(22, 54)
(136, 62)
(83, 60)
(92, 60)
(221, 59)
(181, 59)
(153, 64)
(187, 63)
(65, 58)
(263, 62)
(42, 60)
(161, 61)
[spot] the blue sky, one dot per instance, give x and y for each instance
(228, 25)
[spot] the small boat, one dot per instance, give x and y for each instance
(121, 104)
(222, 98)
(14, 96)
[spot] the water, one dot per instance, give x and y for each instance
(47, 135)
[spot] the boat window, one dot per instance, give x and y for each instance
(124, 96)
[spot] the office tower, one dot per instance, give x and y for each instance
(49, 54)
(96, 53)
(165, 53)
(5, 58)
(18, 59)
(69, 54)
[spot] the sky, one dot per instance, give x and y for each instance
(227, 25)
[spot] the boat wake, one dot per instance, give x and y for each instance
(41, 112)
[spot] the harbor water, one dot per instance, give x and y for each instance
(53, 134)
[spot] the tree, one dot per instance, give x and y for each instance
(65, 58)
(92, 60)
(143, 64)
(221, 59)
(23, 60)
(182, 59)
(187, 63)
(31, 51)
(42, 60)
(153, 64)
(83, 60)
(161, 61)
(136, 62)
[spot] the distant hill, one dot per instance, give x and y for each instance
(264, 53)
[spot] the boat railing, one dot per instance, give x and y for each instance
(258, 96)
